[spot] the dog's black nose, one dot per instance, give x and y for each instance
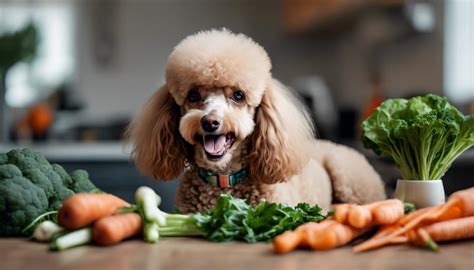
(210, 122)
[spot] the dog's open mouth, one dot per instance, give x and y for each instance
(216, 146)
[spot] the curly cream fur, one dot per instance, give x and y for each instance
(274, 135)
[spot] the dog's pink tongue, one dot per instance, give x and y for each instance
(214, 144)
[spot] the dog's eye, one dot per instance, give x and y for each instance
(194, 96)
(237, 96)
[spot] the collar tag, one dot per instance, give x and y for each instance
(224, 181)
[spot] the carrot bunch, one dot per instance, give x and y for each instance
(364, 216)
(101, 212)
(450, 221)
(349, 222)
(453, 220)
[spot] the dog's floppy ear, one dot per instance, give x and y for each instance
(280, 139)
(157, 150)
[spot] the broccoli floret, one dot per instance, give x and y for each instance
(51, 184)
(8, 171)
(3, 158)
(21, 202)
(37, 177)
(26, 159)
(51, 181)
(38, 157)
(60, 193)
(65, 177)
(81, 182)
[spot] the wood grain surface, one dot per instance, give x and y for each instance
(189, 253)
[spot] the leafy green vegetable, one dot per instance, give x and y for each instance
(81, 182)
(18, 46)
(423, 135)
(233, 219)
(230, 220)
(31, 186)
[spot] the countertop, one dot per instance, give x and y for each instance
(77, 151)
(194, 253)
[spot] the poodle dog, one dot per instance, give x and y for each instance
(224, 125)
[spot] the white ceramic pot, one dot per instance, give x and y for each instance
(423, 193)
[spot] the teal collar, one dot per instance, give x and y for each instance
(223, 180)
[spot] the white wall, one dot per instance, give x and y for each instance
(409, 63)
(146, 31)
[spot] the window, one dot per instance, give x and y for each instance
(459, 50)
(54, 63)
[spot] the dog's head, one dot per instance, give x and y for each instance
(220, 101)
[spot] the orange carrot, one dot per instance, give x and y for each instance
(340, 212)
(359, 216)
(449, 230)
(427, 217)
(465, 200)
(306, 230)
(407, 218)
(81, 210)
(111, 230)
(287, 241)
(456, 229)
(459, 204)
(303, 236)
(364, 216)
(387, 212)
(335, 235)
(311, 233)
(385, 230)
(399, 240)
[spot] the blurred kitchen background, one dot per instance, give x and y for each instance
(73, 73)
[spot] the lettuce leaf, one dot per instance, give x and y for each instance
(423, 135)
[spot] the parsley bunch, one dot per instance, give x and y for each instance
(233, 219)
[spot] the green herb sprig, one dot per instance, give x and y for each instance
(233, 219)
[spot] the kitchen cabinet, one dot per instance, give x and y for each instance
(309, 15)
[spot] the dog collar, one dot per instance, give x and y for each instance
(223, 180)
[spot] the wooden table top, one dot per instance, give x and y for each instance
(189, 253)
